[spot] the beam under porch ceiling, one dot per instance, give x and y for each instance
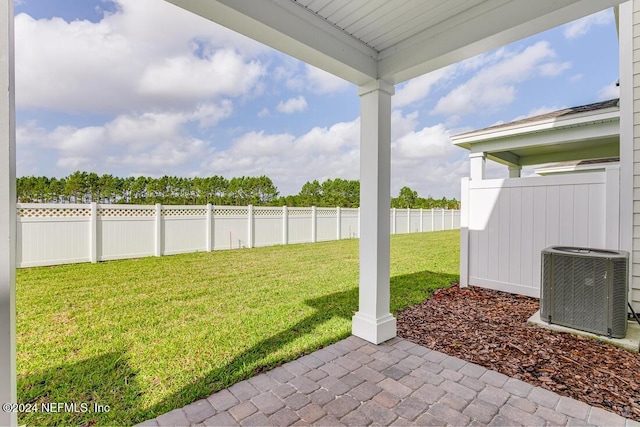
(595, 152)
(294, 30)
(488, 25)
(506, 158)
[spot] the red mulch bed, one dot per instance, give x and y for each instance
(490, 328)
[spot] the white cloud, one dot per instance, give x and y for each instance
(146, 54)
(160, 143)
(576, 78)
(419, 87)
(581, 26)
(292, 105)
(424, 144)
(290, 161)
(223, 74)
(423, 159)
(319, 81)
(264, 112)
(552, 69)
(494, 86)
(610, 91)
(149, 143)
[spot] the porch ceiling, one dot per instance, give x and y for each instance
(361, 40)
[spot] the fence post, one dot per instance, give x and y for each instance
(408, 220)
(464, 233)
(93, 246)
(453, 218)
(209, 228)
(421, 220)
(250, 226)
(433, 225)
(393, 220)
(314, 217)
(285, 225)
(158, 242)
(358, 222)
(612, 203)
(442, 213)
(338, 223)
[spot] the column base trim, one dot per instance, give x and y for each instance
(374, 330)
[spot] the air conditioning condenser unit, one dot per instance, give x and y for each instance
(585, 289)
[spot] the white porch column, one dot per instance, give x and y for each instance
(477, 162)
(515, 171)
(373, 321)
(7, 215)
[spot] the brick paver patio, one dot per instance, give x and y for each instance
(397, 383)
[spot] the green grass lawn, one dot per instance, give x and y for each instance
(150, 335)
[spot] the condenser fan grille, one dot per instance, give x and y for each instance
(585, 289)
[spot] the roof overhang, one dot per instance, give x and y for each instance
(361, 40)
(588, 135)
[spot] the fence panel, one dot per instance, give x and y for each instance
(49, 234)
(125, 231)
(183, 229)
(326, 227)
(437, 219)
(414, 223)
(230, 227)
(300, 225)
(267, 226)
(511, 221)
(401, 221)
(349, 223)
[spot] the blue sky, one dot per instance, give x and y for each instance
(132, 87)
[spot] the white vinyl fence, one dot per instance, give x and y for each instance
(50, 234)
(506, 223)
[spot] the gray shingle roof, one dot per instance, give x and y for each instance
(553, 115)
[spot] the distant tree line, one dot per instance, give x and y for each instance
(86, 187)
(409, 198)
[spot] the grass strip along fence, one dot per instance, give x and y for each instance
(145, 336)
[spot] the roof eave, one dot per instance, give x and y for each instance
(590, 118)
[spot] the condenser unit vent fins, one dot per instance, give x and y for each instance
(585, 289)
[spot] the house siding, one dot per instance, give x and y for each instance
(635, 256)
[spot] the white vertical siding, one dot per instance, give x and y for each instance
(634, 103)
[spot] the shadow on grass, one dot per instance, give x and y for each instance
(109, 380)
(105, 380)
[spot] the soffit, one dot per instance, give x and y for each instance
(393, 40)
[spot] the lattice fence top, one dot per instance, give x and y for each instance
(268, 212)
(323, 212)
(300, 212)
(183, 211)
(349, 212)
(56, 212)
(126, 212)
(231, 211)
